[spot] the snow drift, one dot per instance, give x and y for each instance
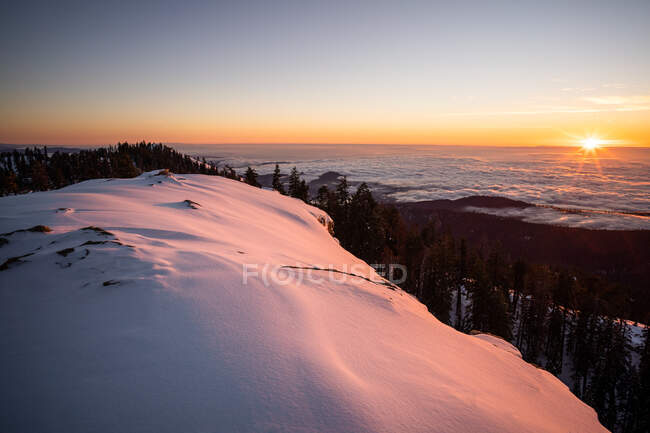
(132, 314)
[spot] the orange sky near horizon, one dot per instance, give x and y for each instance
(367, 72)
(500, 129)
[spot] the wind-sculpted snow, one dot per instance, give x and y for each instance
(138, 312)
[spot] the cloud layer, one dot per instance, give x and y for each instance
(616, 180)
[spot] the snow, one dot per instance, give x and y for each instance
(150, 327)
(499, 342)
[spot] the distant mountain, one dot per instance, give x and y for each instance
(192, 303)
(483, 201)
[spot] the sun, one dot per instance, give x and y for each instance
(591, 143)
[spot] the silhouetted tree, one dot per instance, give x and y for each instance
(277, 183)
(294, 183)
(251, 177)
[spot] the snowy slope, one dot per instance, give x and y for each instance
(144, 324)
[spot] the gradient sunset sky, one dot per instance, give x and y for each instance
(475, 73)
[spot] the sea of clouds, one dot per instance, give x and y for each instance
(609, 186)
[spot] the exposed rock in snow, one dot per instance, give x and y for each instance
(136, 314)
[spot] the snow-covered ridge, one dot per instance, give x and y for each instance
(132, 314)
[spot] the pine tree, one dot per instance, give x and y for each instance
(277, 184)
(554, 347)
(323, 198)
(583, 345)
(364, 239)
(123, 167)
(640, 401)
(439, 277)
(251, 177)
(303, 191)
(479, 296)
(488, 306)
(294, 183)
(40, 180)
(532, 319)
(343, 192)
(340, 211)
(11, 184)
(562, 301)
(518, 286)
(605, 391)
(460, 283)
(412, 253)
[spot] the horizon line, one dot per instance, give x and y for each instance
(171, 143)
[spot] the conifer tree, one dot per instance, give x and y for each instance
(123, 167)
(518, 286)
(364, 238)
(460, 283)
(413, 252)
(294, 183)
(251, 177)
(40, 179)
(343, 192)
(583, 345)
(323, 198)
(638, 419)
(303, 191)
(340, 211)
(277, 183)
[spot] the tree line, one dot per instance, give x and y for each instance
(35, 169)
(296, 186)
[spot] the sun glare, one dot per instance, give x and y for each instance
(591, 143)
(591, 146)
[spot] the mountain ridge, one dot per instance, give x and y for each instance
(139, 311)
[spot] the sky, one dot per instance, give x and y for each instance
(349, 72)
